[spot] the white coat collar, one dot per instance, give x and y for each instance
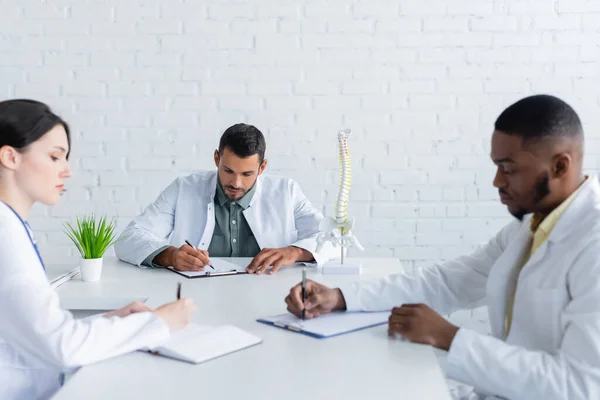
(588, 196)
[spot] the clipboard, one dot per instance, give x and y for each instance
(206, 274)
(329, 325)
(221, 268)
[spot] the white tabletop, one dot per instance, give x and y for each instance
(360, 365)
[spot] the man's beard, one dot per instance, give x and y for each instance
(240, 191)
(540, 190)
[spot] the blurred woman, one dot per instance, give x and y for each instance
(38, 339)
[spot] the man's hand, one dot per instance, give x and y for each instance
(185, 258)
(277, 258)
(319, 300)
(135, 307)
(419, 323)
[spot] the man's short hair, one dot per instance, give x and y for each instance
(539, 117)
(244, 141)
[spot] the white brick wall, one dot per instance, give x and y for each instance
(148, 87)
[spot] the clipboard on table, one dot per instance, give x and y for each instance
(329, 325)
(221, 268)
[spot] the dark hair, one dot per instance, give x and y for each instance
(539, 117)
(244, 141)
(24, 121)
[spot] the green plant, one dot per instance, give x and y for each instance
(92, 237)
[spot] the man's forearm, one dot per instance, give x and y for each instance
(165, 257)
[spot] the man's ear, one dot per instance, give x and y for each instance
(9, 157)
(262, 167)
(216, 157)
(561, 163)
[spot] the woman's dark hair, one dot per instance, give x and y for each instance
(24, 121)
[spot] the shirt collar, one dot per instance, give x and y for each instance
(244, 202)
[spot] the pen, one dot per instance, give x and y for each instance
(303, 292)
(189, 244)
(178, 290)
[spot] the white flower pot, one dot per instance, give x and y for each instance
(91, 269)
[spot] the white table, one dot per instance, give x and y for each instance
(361, 365)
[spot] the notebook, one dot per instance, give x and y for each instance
(329, 325)
(199, 343)
(221, 268)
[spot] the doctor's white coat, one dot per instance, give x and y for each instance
(279, 215)
(38, 339)
(553, 349)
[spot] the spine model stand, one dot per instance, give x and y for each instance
(338, 230)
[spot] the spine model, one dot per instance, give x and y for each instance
(338, 230)
(341, 206)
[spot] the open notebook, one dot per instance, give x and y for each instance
(220, 268)
(200, 343)
(328, 325)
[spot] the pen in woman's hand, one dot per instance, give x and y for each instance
(178, 290)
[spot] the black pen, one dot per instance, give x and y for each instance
(178, 290)
(303, 292)
(189, 244)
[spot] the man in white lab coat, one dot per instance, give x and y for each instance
(232, 212)
(540, 275)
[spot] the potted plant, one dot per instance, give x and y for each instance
(92, 237)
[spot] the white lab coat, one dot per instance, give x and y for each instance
(553, 349)
(279, 215)
(38, 339)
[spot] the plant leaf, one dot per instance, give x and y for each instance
(92, 236)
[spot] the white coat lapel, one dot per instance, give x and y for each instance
(535, 258)
(503, 277)
(564, 226)
(208, 206)
(253, 215)
(576, 212)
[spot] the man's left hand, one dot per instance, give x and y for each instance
(419, 323)
(277, 258)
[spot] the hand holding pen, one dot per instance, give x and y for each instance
(310, 299)
(303, 293)
(201, 251)
(178, 313)
(186, 258)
